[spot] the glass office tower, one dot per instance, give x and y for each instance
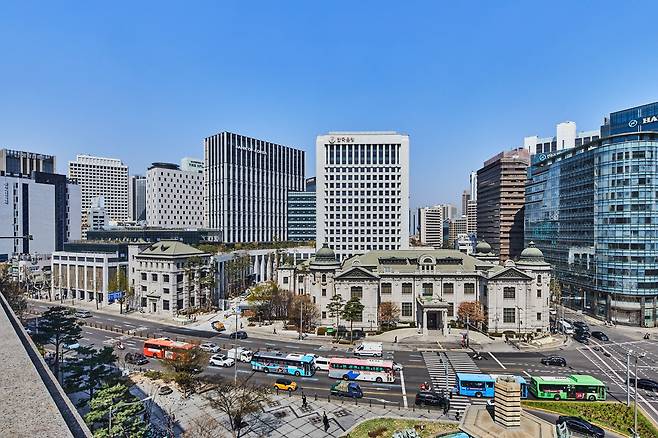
(593, 211)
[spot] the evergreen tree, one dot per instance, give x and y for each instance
(353, 311)
(114, 412)
(58, 326)
(90, 370)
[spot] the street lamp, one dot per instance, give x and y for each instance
(636, 357)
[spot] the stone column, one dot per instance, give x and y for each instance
(507, 402)
(425, 330)
(444, 322)
(257, 267)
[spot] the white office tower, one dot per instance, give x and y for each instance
(97, 218)
(566, 138)
(189, 164)
(362, 192)
(430, 221)
(174, 197)
(474, 186)
(106, 177)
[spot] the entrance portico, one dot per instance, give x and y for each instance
(432, 314)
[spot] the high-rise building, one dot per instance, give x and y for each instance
(189, 164)
(457, 227)
(431, 226)
(591, 209)
(466, 196)
(500, 200)
(566, 138)
(471, 218)
(174, 197)
(363, 191)
(45, 207)
(474, 186)
(301, 213)
(137, 198)
(449, 211)
(106, 177)
(246, 184)
(97, 216)
(24, 163)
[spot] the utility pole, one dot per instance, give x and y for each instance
(628, 378)
(235, 349)
(301, 323)
(635, 434)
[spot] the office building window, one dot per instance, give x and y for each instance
(407, 288)
(154, 277)
(165, 304)
(428, 289)
(509, 315)
(356, 292)
(538, 316)
(386, 288)
(448, 288)
(324, 292)
(285, 280)
(451, 309)
(469, 288)
(407, 309)
(509, 293)
(538, 293)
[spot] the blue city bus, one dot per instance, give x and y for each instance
(482, 385)
(282, 363)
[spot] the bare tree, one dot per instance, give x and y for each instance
(236, 401)
(204, 426)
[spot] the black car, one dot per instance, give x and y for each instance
(582, 334)
(554, 360)
(600, 336)
(647, 384)
(355, 335)
(240, 334)
(577, 424)
(136, 359)
(582, 339)
(580, 325)
(431, 398)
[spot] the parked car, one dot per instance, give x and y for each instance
(646, 384)
(580, 425)
(285, 385)
(221, 360)
(218, 325)
(600, 336)
(210, 347)
(554, 360)
(346, 389)
(164, 390)
(240, 334)
(83, 314)
(136, 359)
(431, 398)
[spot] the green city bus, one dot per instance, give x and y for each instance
(573, 387)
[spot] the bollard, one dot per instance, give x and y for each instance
(289, 394)
(356, 401)
(413, 407)
(370, 402)
(329, 398)
(316, 396)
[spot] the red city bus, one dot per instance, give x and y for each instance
(165, 348)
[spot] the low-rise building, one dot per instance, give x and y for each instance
(428, 285)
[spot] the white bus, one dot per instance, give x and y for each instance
(372, 370)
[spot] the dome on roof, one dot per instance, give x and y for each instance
(532, 253)
(483, 247)
(325, 256)
(509, 263)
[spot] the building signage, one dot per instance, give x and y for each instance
(644, 120)
(538, 158)
(333, 140)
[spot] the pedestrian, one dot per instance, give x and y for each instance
(457, 414)
(325, 421)
(449, 329)
(274, 331)
(303, 400)
(395, 341)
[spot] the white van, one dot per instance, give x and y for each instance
(321, 363)
(565, 327)
(373, 349)
(241, 355)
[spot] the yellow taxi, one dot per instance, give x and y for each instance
(285, 385)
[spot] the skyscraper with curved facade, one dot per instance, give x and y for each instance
(593, 210)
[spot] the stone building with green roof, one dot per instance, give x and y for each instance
(428, 285)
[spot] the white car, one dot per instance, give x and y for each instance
(220, 360)
(73, 346)
(321, 363)
(210, 347)
(397, 366)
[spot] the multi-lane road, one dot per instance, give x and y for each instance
(603, 360)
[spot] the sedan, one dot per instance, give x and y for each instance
(397, 366)
(580, 425)
(647, 384)
(83, 314)
(240, 334)
(220, 360)
(554, 360)
(600, 336)
(285, 385)
(580, 325)
(582, 339)
(164, 390)
(209, 347)
(136, 359)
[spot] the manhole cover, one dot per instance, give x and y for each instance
(342, 413)
(315, 420)
(274, 403)
(306, 409)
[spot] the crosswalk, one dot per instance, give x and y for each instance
(442, 368)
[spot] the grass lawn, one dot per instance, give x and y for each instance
(614, 416)
(386, 427)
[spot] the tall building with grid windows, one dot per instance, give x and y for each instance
(246, 186)
(362, 192)
(174, 197)
(106, 177)
(592, 210)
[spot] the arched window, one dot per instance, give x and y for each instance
(324, 278)
(539, 279)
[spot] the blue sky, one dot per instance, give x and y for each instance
(147, 81)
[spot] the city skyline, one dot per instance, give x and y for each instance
(123, 87)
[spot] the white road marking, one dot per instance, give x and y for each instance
(270, 344)
(404, 390)
(526, 373)
(496, 359)
(415, 360)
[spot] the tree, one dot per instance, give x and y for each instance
(335, 308)
(353, 311)
(58, 326)
(117, 405)
(302, 305)
(120, 284)
(184, 368)
(389, 312)
(90, 370)
(471, 311)
(12, 292)
(262, 296)
(237, 273)
(236, 401)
